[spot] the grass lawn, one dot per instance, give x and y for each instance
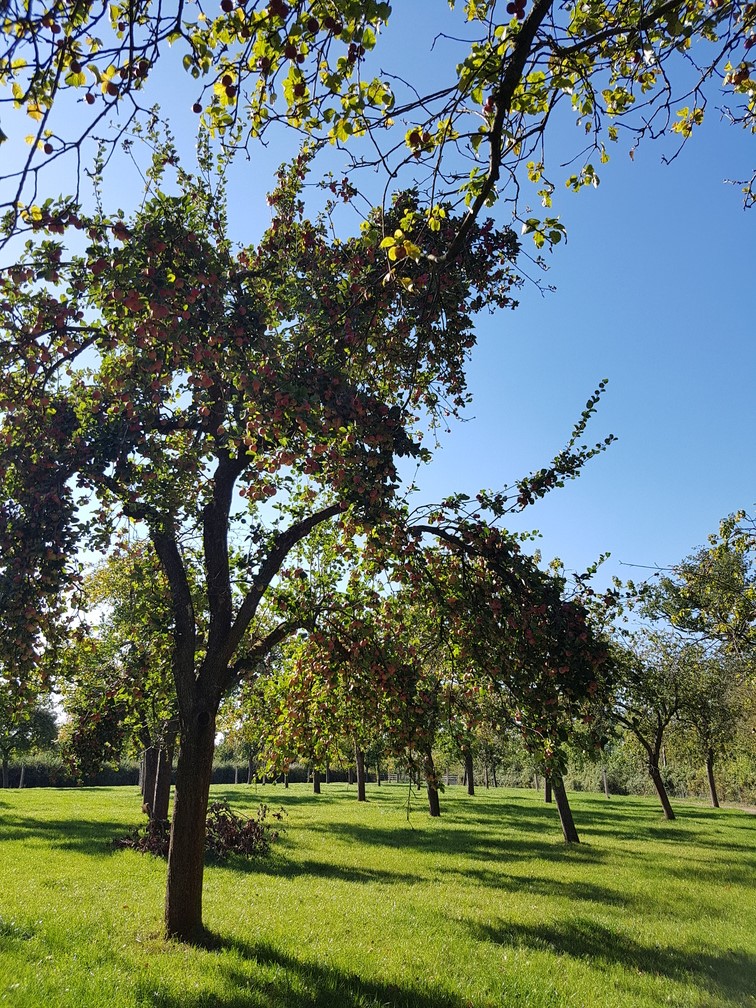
(360, 908)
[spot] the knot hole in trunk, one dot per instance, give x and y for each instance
(203, 719)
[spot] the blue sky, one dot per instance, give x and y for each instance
(655, 291)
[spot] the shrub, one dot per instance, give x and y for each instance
(226, 833)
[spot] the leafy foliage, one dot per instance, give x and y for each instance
(711, 595)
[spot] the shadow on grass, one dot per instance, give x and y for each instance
(538, 885)
(280, 867)
(93, 837)
(731, 974)
(283, 981)
(493, 844)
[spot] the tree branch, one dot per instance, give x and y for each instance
(185, 632)
(283, 544)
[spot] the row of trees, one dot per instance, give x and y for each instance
(404, 673)
(235, 403)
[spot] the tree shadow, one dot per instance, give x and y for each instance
(731, 974)
(86, 836)
(288, 982)
(279, 867)
(539, 885)
(484, 845)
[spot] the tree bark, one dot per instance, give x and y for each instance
(710, 776)
(605, 782)
(23, 774)
(378, 774)
(162, 794)
(431, 779)
(547, 789)
(359, 759)
(469, 771)
(316, 781)
(149, 775)
(565, 812)
(656, 777)
(186, 855)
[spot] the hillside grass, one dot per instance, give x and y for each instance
(362, 907)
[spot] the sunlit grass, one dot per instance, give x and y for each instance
(361, 907)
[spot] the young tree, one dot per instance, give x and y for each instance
(653, 688)
(715, 703)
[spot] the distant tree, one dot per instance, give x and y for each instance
(717, 699)
(115, 671)
(23, 729)
(711, 595)
(654, 686)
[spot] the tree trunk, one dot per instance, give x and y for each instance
(186, 855)
(431, 779)
(536, 782)
(327, 773)
(547, 789)
(656, 777)
(359, 759)
(710, 776)
(149, 775)
(493, 774)
(469, 772)
(23, 774)
(162, 795)
(316, 781)
(565, 812)
(485, 775)
(5, 771)
(605, 782)
(286, 780)
(236, 774)
(378, 774)
(250, 769)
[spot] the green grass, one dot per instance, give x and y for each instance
(359, 908)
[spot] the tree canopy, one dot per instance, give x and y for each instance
(505, 77)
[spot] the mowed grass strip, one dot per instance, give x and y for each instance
(361, 906)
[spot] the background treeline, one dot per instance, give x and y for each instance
(622, 766)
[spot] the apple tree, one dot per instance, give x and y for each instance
(163, 377)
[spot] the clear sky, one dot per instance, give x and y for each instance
(655, 291)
